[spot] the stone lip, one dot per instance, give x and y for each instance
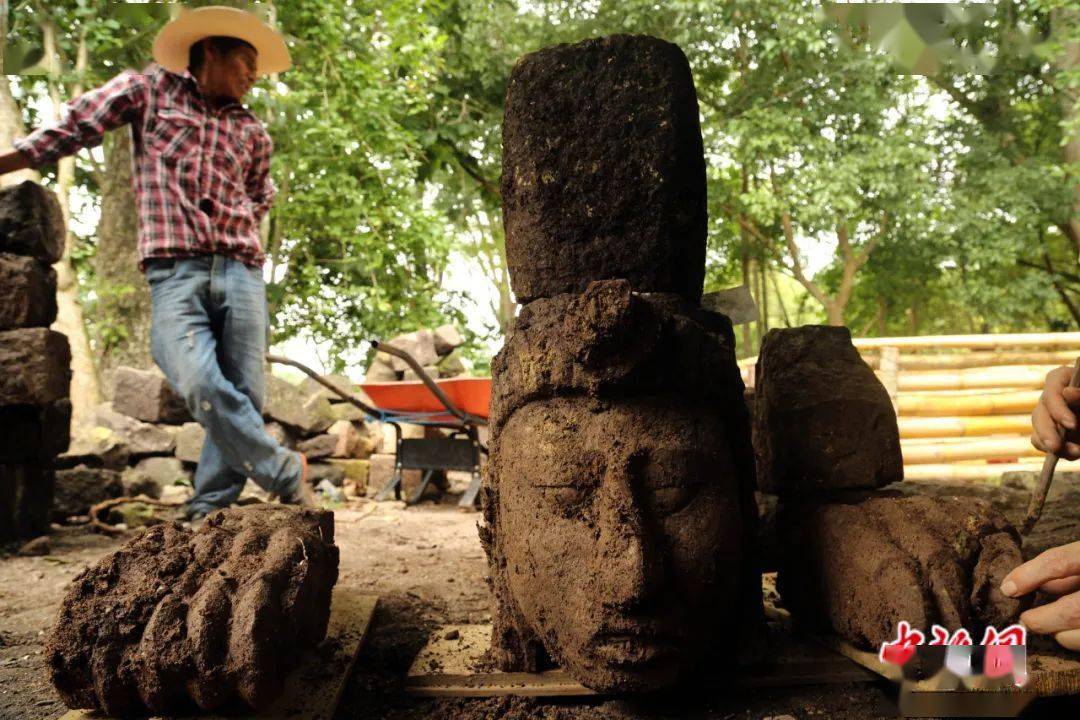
(822, 419)
(27, 292)
(31, 222)
(245, 594)
(35, 367)
(603, 169)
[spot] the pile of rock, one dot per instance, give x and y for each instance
(145, 442)
(855, 559)
(35, 362)
(435, 350)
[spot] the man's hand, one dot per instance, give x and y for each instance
(1057, 572)
(1053, 413)
(13, 160)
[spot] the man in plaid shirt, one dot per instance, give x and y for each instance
(202, 182)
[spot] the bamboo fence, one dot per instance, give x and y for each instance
(964, 402)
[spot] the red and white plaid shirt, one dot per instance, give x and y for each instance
(201, 175)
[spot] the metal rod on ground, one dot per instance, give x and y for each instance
(1038, 495)
(431, 384)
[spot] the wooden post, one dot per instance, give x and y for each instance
(890, 371)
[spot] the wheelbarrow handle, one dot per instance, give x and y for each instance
(344, 394)
(433, 386)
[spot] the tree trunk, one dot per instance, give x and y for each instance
(835, 313)
(123, 336)
(1070, 107)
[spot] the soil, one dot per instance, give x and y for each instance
(427, 565)
(176, 617)
(603, 169)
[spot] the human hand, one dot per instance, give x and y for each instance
(1053, 413)
(1056, 572)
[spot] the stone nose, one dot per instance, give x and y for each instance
(628, 559)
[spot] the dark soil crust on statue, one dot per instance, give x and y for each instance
(860, 569)
(177, 618)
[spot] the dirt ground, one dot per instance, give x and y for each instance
(426, 564)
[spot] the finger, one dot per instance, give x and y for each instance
(1053, 564)
(1062, 586)
(1071, 451)
(1045, 435)
(1069, 639)
(1071, 395)
(1054, 399)
(1060, 615)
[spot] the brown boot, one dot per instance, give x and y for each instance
(303, 495)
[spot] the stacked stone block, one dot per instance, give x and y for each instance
(35, 362)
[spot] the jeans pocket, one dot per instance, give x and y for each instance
(160, 269)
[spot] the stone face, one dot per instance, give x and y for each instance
(189, 442)
(310, 386)
(26, 498)
(447, 338)
(858, 569)
(286, 403)
(35, 367)
(451, 366)
(148, 396)
(381, 470)
(346, 411)
(96, 446)
(251, 614)
(419, 344)
(142, 439)
(30, 432)
(822, 419)
(603, 169)
(281, 434)
(317, 472)
(80, 488)
(356, 473)
(432, 372)
(31, 222)
(27, 292)
(320, 446)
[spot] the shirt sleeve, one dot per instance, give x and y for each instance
(86, 119)
(260, 187)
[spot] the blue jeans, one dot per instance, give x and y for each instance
(208, 335)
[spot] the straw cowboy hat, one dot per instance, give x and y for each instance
(173, 43)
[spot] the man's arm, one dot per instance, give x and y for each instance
(260, 188)
(86, 119)
(13, 161)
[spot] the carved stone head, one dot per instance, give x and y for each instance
(616, 493)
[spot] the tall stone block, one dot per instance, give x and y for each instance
(26, 496)
(27, 292)
(31, 222)
(32, 433)
(822, 419)
(35, 367)
(603, 169)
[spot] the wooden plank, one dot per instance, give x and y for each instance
(311, 692)
(452, 665)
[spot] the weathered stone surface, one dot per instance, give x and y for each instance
(451, 366)
(381, 469)
(432, 372)
(349, 440)
(420, 344)
(31, 222)
(30, 432)
(281, 434)
(858, 569)
(310, 386)
(150, 475)
(27, 292)
(189, 442)
(347, 412)
(251, 614)
(26, 497)
(356, 474)
(603, 169)
(142, 439)
(320, 446)
(146, 395)
(447, 339)
(97, 447)
(380, 370)
(80, 488)
(317, 472)
(286, 403)
(35, 367)
(36, 547)
(822, 419)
